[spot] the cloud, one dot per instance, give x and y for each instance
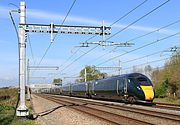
(54, 17)
(44, 15)
(38, 14)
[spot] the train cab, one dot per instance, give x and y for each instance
(141, 87)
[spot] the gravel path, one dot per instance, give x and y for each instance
(50, 113)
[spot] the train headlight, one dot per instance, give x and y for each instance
(138, 88)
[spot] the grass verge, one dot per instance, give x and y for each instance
(8, 100)
(167, 100)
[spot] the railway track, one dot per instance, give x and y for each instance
(142, 111)
(167, 106)
(103, 111)
(112, 118)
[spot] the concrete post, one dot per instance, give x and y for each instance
(22, 110)
(28, 84)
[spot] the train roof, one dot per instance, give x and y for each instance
(125, 75)
(112, 77)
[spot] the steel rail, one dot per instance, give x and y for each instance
(162, 115)
(105, 115)
(175, 107)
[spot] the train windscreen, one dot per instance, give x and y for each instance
(143, 81)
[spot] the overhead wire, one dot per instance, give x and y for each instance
(57, 33)
(31, 50)
(131, 60)
(17, 35)
(156, 8)
(151, 62)
(14, 25)
(70, 56)
(95, 47)
(155, 53)
(14, 5)
(112, 25)
(138, 37)
(168, 25)
(156, 41)
(45, 53)
(140, 58)
(138, 19)
(129, 12)
(65, 18)
(76, 52)
(78, 58)
(154, 61)
(157, 68)
(28, 38)
(130, 67)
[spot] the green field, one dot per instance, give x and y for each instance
(8, 100)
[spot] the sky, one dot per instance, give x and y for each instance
(64, 50)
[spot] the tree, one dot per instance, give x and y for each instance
(57, 82)
(91, 74)
(161, 89)
(167, 80)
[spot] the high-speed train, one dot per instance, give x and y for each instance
(134, 87)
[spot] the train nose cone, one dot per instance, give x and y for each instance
(148, 92)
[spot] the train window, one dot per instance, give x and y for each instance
(143, 81)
